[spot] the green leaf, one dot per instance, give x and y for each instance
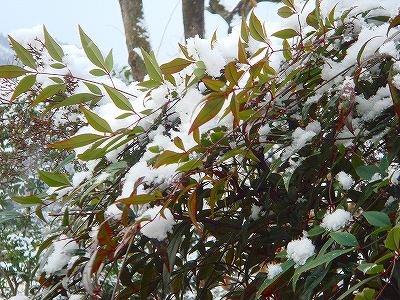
(77, 99)
(231, 73)
(269, 282)
(175, 66)
(91, 50)
(93, 88)
(377, 218)
(138, 199)
(52, 47)
(24, 56)
(190, 165)
(210, 110)
(317, 230)
(27, 200)
(48, 92)
(109, 61)
(311, 264)
(23, 85)
(76, 141)
(344, 238)
(366, 172)
(118, 98)
(360, 52)
(10, 71)
(355, 287)
(256, 29)
(393, 238)
(286, 33)
(96, 121)
(169, 157)
(54, 179)
(285, 12)
(97, 72)
(366, 294)
(370, 268)
(152, 67)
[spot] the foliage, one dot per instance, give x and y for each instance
(251, 159)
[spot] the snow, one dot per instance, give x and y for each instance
(255, 212)
(336, 220)
(19, 297)
(301, 137)
(274, 270)
(113, 212)
(300, 250)
(345, 180)
(371, 108)
(157, 226)
(394, 176)
(61, 255)
(76, 297)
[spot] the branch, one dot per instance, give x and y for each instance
(136, 35)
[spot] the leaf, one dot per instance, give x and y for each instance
(138, 199)
(393, 23)
(192, 209)
(366, 294)
(118, 98)
(317, 230)
(175, 66)
(244, 30)
(256, 29)
(98, 72)
(242, 54)
(355, 287)
(370, 268)
(190, 165)
(210, 110)
(23, 85)
(27, 200)
(344, 238)
(96, 121)
(10, 71)
(93, 88)
(287, 54)
(366, 172)
(377, 218)
(52, 47)
(48, 92)
(152, 67)
(77, 99)
(286, 33)
(76, 141)
(393, 239)
(109, 61)
(91, 50)
(285, 12)
(213, 84)
(24, 56)
(323, 259)
(169, 157)
(231, 73)
(360, 52)
(54, 179)
(269, 282)
(394, 93)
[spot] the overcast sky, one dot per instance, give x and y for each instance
(101, 19)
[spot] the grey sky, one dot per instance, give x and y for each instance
(101, 19)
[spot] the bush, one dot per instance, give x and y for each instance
(252, 166)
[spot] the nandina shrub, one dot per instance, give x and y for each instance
(260, 165)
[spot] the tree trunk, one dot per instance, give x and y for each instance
(136, 35)
(193, 17)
